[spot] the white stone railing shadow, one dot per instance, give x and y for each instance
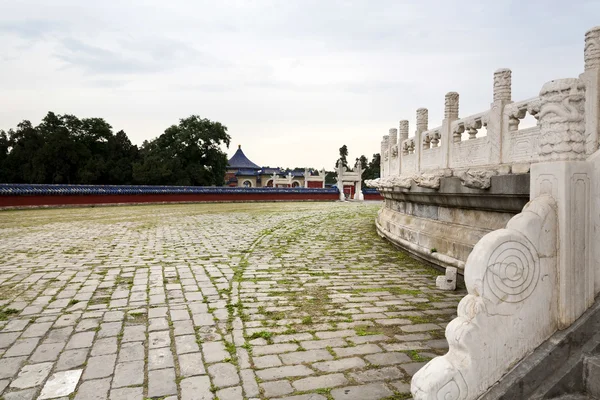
(511, 307)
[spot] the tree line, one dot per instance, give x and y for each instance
(67, 150)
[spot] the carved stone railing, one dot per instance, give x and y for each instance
(511, 280)
(542, 271)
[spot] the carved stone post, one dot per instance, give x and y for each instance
(422, 120)
(562, 120)
(403, 130)
(591, 78)
(496, 129)
(450, 114)
(568, 180)
(393, 152)
(403, 135)
(383, 157)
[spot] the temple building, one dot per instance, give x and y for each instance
(244, 173)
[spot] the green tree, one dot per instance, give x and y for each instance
(363, 162)
(186, 154)
(343, 156)
(373, 168)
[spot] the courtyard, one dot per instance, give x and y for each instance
(297, 301)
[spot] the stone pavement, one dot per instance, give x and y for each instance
(295, 301)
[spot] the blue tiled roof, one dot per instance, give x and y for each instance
(239, 160)
(246, 172)
(17, 189)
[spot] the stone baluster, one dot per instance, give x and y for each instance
(383, 157)
(393, 151)
(403, 130)
(562, 120)
(591, 78)
(450, 114)
(422, 121)
(564, 175)
(497, 127)
(502, 84)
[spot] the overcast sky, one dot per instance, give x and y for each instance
(293, 80)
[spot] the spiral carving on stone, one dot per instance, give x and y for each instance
(513, 272)
(502, 84)
(592, 49)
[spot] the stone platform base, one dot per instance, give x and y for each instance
(442, 226)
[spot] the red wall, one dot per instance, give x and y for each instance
(20, 201)
(314, 184)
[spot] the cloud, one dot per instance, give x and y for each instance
(130, 56)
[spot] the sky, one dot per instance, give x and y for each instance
(293, 80)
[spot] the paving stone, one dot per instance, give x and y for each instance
(223, 374)
(310, 396)
(70, 359)
(36, 330)
(16, 325)
(196, 388)
(3, 384)
(159, 339)
(317, 382)
(412, 368)
(289, 371)
(32, 375)
(133, 351)
(321, 344)
(249, 383)
(130, 393)
(401, 387)
(380, 374)
(372, 391)
(108, 329)
(300, 357)
(276, 388)
(22, 347)
(274, 349)
(81, 340)
(60, 335)
(134, 333)
(191, 364)
(61, 384)
(334, 334)
(231, 393)
(128, 374)
(186, 344)
(47, 352)
(357, 350)
(99, 367)
(214, 352)
(93, 390)
(388, 358)
(27, 394)
(420, 328)
(162, 383)
(266, 361)
(7, 339)
(104, 346)
(160, 358)
(340, 365)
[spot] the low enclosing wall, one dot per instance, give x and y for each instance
(442, 226)
(21, 195)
